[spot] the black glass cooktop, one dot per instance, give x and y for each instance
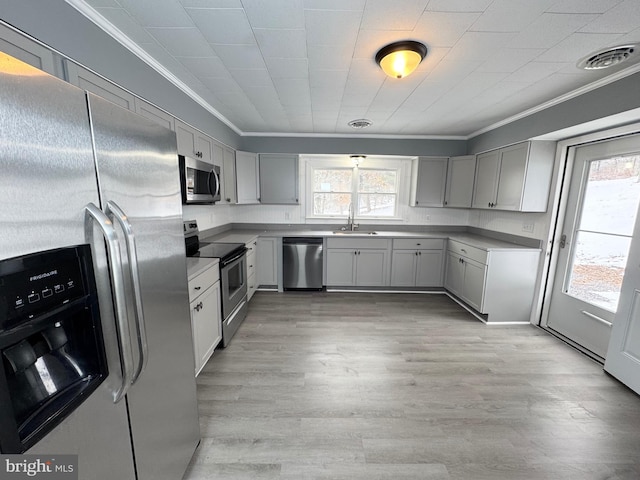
(219, 250)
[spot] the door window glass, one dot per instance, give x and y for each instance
(602, 238)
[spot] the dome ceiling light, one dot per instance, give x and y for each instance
(400, 59)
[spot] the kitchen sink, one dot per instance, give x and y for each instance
(354, 232)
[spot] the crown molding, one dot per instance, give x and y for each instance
(95, 17)
(354, 135)
(562, 98)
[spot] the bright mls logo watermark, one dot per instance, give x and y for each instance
(49, 467)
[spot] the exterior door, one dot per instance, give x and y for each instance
(595, 239)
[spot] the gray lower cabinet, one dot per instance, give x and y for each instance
(252, 267)
(267, 262)
(206, 327)
(417, 262)
(352, 262)
(496, 282)
(278, 179)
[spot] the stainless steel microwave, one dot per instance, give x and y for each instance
(199, 181)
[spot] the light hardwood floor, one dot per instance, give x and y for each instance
(406, 386)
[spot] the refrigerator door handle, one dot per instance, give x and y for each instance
(143, 348)
(94, 214)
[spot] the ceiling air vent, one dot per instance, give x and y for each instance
(360, 123)
(607, 58)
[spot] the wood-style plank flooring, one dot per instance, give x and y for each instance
(354, 386)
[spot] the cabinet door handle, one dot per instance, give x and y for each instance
(419, 253)
(489, 205)
(197, 288)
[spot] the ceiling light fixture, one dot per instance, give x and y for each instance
(400, 59)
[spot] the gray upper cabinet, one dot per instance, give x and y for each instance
(460, 174)
(428, 179)
(514, 178)
(247, 184)
(25, 49)
(193, 143)
(154, 114)
(226, 158)
(279, 179)
(87, 80)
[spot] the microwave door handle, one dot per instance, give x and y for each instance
(143, 348)
(214, 191)
(94, 215)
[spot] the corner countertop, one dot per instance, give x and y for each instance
(197, 265)
(479, 241)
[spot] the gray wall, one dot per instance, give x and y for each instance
(63, 28)
(611, 99)
(345, 145)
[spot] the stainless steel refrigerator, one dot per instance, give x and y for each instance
(76, 169)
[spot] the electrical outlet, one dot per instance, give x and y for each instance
(528, 227)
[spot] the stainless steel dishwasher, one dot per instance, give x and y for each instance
(302, 263)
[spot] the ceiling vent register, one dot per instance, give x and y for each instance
(607, 58)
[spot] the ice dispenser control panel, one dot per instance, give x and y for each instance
(29, 288)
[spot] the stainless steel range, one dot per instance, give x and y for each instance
(233, 277)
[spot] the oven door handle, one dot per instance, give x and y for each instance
(94, 215)
(141, 330)
(234, 258)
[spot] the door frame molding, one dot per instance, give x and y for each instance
(563, 171)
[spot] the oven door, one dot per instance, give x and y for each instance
(199, 181)
(233, 273)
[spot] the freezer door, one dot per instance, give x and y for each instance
(137, 165)
(47, 176)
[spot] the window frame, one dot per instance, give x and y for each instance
(401, 166)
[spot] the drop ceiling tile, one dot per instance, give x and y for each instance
(576, 46)
(335, 79)
(510, 15)
(158, 13)
(458, 5)
(97, 4)
(258, 77)
(288, 67)
(205, 66)
(452, 71)
(622, 18)
(549, 29)
(334, 4)
(535, 71)
(327, 58)
(583, 6)
(510, 59)
(264, 97)
(126, 24)
(479, 46)
(275, 13)
(182, 42)
(396, 15)
(240, 56)
(212, 3)
(325, 98)
(427, 93)
(220, 85)
(281, 43)
(223, 25)
(443, 29)
(293, 91)
(328, 27)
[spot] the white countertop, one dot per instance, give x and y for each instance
(197, 265)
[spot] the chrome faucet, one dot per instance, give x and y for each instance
(351, 226)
